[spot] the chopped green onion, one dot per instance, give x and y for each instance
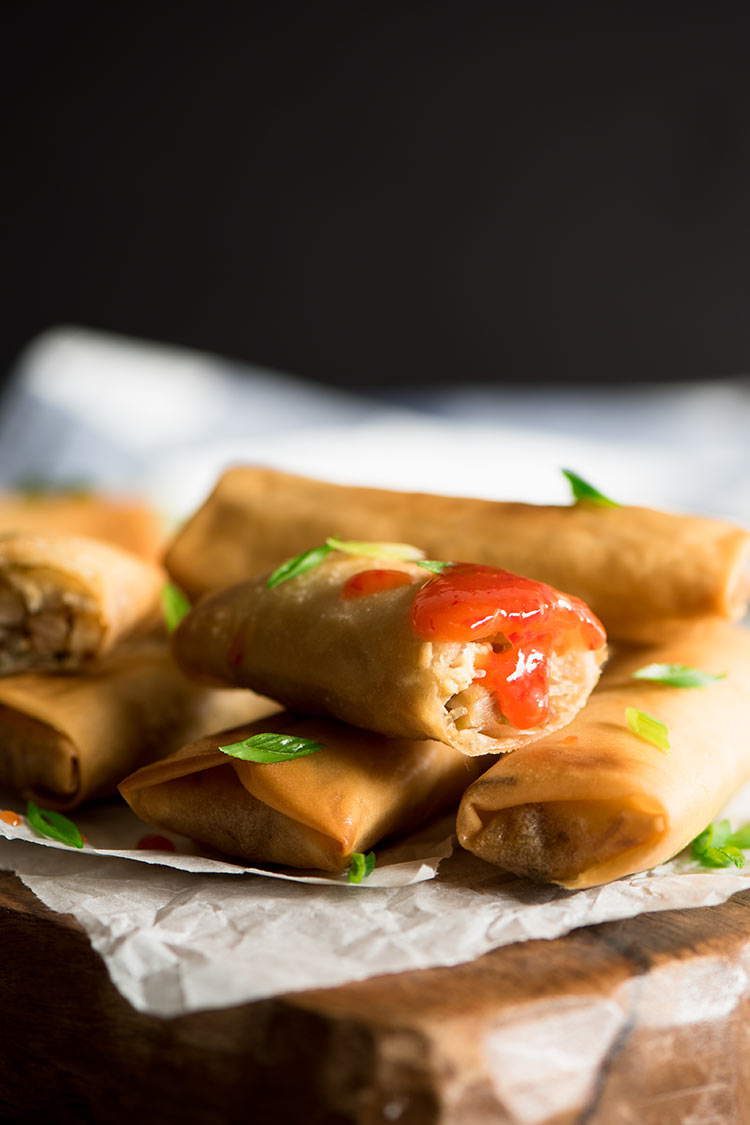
(47, 822)
(175, 606)
(267, 748)
(404, 552)
(300, 564)
(361, 866)
(718, 846)
(434, 565)
(33, 487)
(582, 490)
(677, 675)
(741, 838)
(308, 560)
(647, 727)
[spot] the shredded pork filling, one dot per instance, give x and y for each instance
(43, 623)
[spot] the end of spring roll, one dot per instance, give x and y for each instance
(598, 801)
(480, 659)
(67, 599)
(65, 739)
(313, 812)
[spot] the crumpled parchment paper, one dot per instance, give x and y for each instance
(185, 931)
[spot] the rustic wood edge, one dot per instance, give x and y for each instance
(654, 1011)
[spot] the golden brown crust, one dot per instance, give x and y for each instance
(642, 572)
(360, 660)
(309, 813)
(64, 739)
(596, 802)
(128, 523)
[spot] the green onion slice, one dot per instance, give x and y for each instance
(308, 560)
(361, 866)
(718, 846)
(647, 727)
(435, 565)
(32, 487)
(174, 605)
(740, 838)
(267, 748)
(582, 490)
(403, 552)
(677, 675)
(47, 822)
(300, 564)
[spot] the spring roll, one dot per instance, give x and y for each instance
(474, 657)
(642, 572)
(598, 801)
(313, 812)
(128, 523)
(66, 600)
(65, 739)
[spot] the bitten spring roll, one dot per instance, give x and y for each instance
(66, 600)
(474, 657)
(642, 572)
(597, 801)
(313, 812)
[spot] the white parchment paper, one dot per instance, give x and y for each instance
(183, 932)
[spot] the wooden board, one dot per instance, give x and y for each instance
(646, 1020)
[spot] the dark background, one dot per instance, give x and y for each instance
(384, 195)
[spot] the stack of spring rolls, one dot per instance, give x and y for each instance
(412, 721)
(88, 688)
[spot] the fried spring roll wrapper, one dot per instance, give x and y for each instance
(64, 739)
(596, 801)
(642, 572)
(66, 600)
(363, 662)
(309, 813)
(130, 524)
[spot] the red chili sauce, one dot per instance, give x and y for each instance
(155, 843)
(470, 603)
(373, 582)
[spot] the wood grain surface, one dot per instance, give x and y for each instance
(645, 1020)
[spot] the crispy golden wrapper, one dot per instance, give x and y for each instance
(312, 812)
(128, 523)
(596, 801)
(362, 661)
(642, 572)
(67, 599)
(64, 739)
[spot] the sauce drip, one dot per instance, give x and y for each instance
(10, 817)
(525, 619)
(373, 582)
(155, 843)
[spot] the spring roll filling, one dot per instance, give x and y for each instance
(471, 705)
(512, 681)
(45, 618)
